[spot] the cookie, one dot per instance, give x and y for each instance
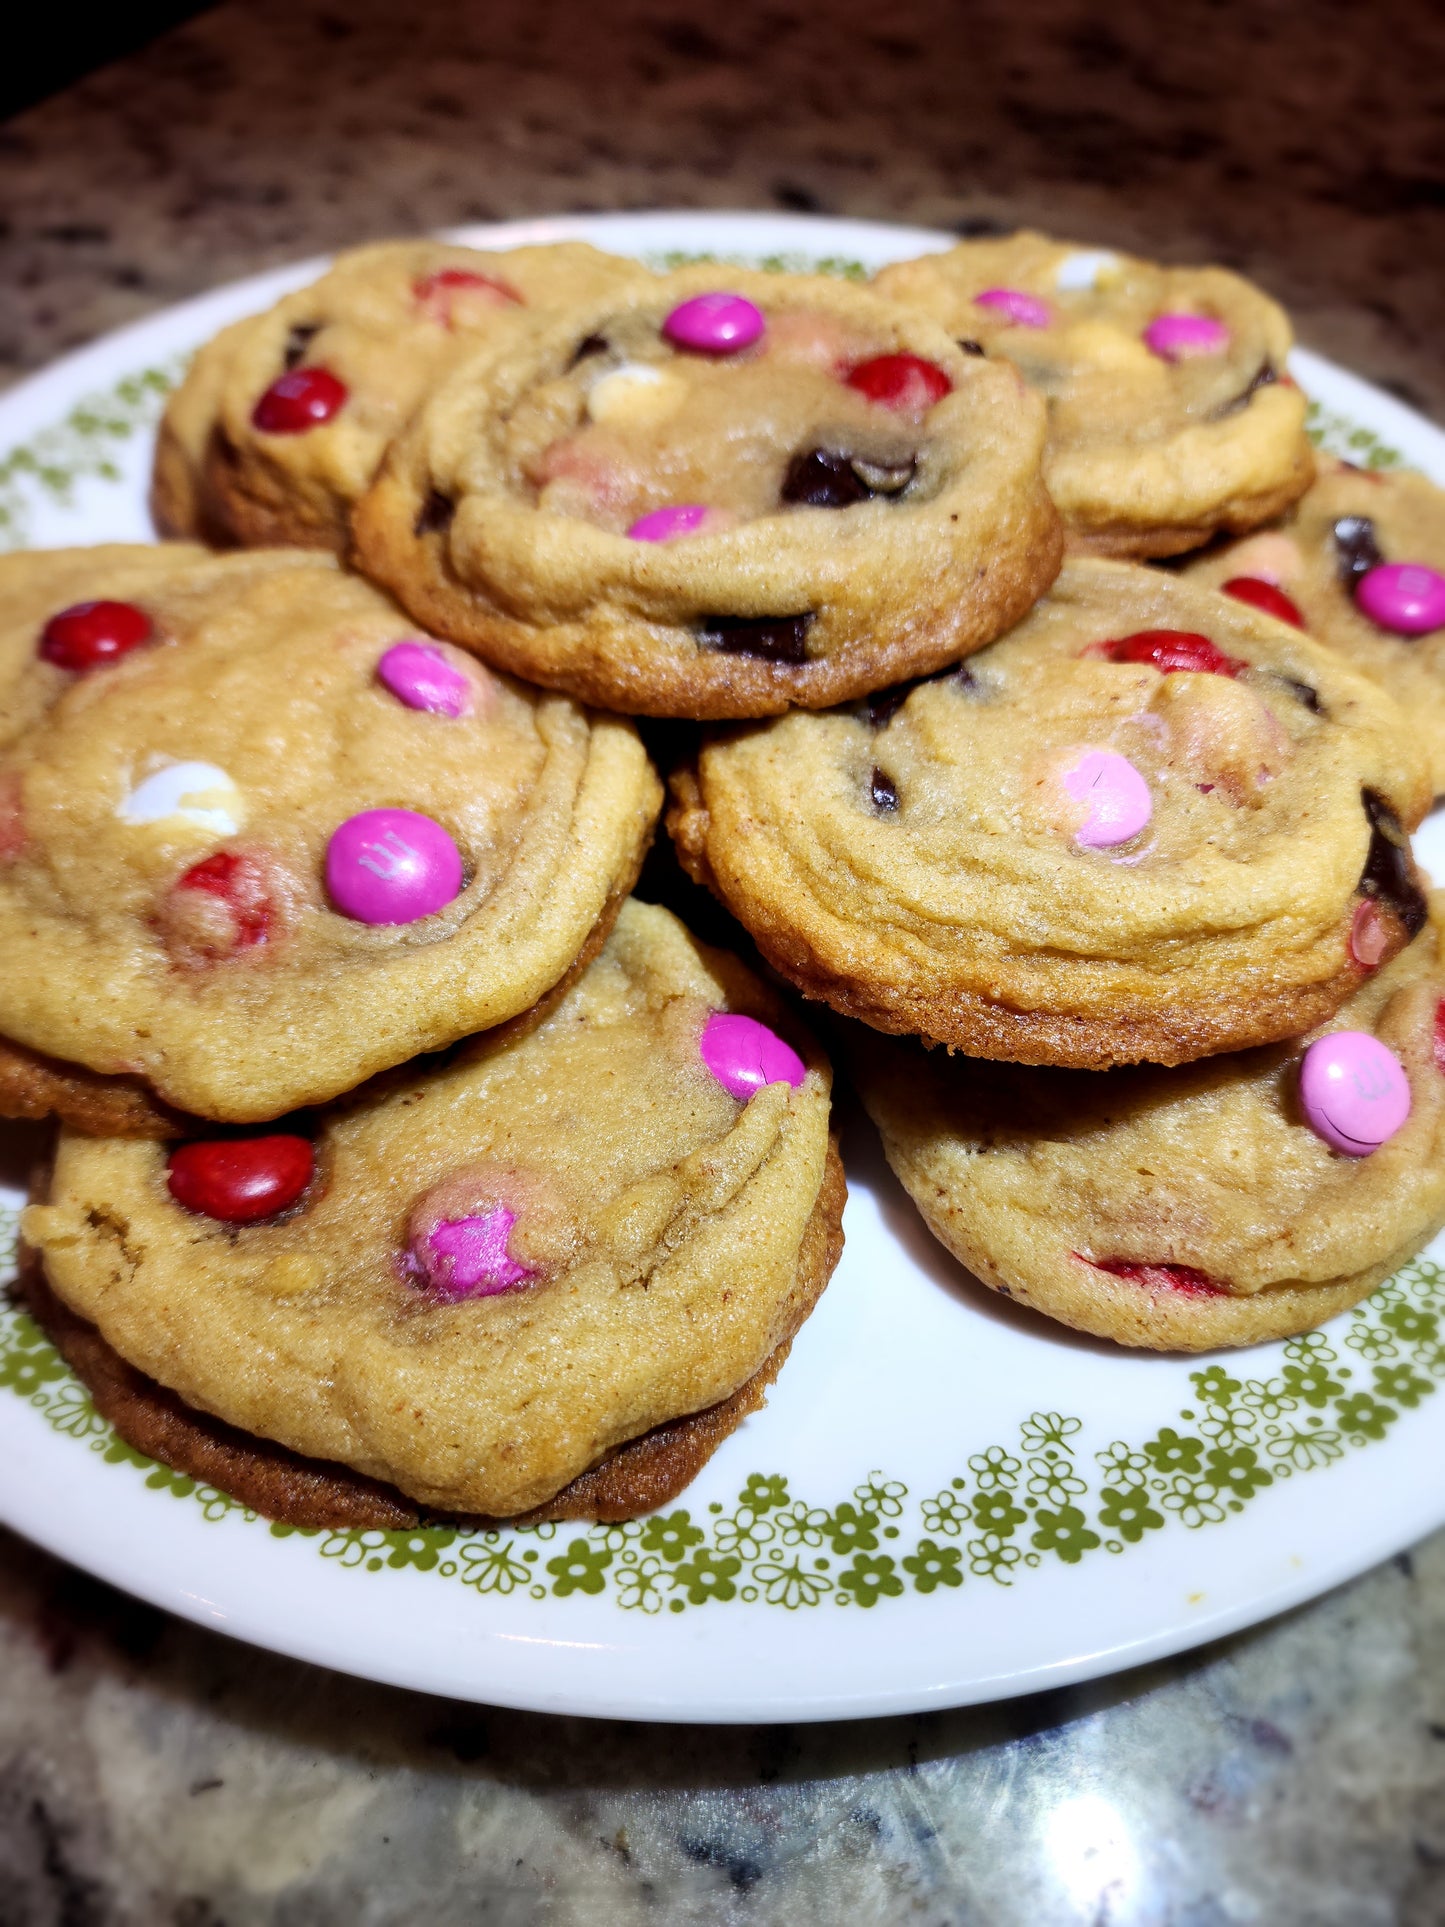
(1149, 824)
(640, 1476)
(282, 419)
(477, 1281)
(1170, 413)
(702, 500)
(1245, 1198)
(1360, 566)
(259, 840)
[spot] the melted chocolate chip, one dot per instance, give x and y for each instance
(435, 514)
(1264, 377)
(884, 791)
(823, 478)
(1389, 874)
(1356, 550)
(774, 638)
(971, 347)
(589, 345)
(298, 341)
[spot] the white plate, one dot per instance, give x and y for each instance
(947, 1499)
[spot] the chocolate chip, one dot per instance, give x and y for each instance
(1309, 697)
(1389, 874)
(435, 514)
(1264, 377)
(971, 347)
(822, 478)
(1356, 549)
(298, 341)
(774, 638)
(589, 345)
(884, 791)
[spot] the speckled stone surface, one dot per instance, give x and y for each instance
(155, 1775)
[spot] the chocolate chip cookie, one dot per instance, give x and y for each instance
(706, 498)
(1151, 823)
(1171, 415)
(1241, 1199)
(476, 1282)
(260, 839)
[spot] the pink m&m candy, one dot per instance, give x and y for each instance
(1403, 596)
(1354, 1092)
(745, 1056)
(715, 324)
(1023, 310)
(468, 1257)
(665, 524)
(392, 866)
(1175, 337)
(419, 675)
(1113, 793)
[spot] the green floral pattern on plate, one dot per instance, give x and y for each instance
(1049, 1495)
(81, 447)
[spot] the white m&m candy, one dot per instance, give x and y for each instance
(194, 793)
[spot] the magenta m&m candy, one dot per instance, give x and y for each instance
(745, 1056)
(301, 399)
(1023, 310)
(392, 866)
(666, 524)
(1177, 337)
(1354, 1092)
(1114, 795)
(717, 323)
(419, 675)
(468, 1257)
(89, 635)
(1406, 597)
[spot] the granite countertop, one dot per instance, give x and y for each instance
(153, 1772)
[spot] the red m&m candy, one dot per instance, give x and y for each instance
(437, 291)
(1265, 596)
(1171, 651)
(905, 382)
(89, 635)
(240, 1180)
(220, 905)
(304, 398)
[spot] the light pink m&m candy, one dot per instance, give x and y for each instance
(718, 323)
(392, 866)
(1023, 310)
(1354, 1092)
(1113, 793)
(1175, 337)
(419, 675)
(468, 1257)
(745, 1056)
(665, 524)
(1404, 596)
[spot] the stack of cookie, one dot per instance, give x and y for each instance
(268, 859)
(404, 1164)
